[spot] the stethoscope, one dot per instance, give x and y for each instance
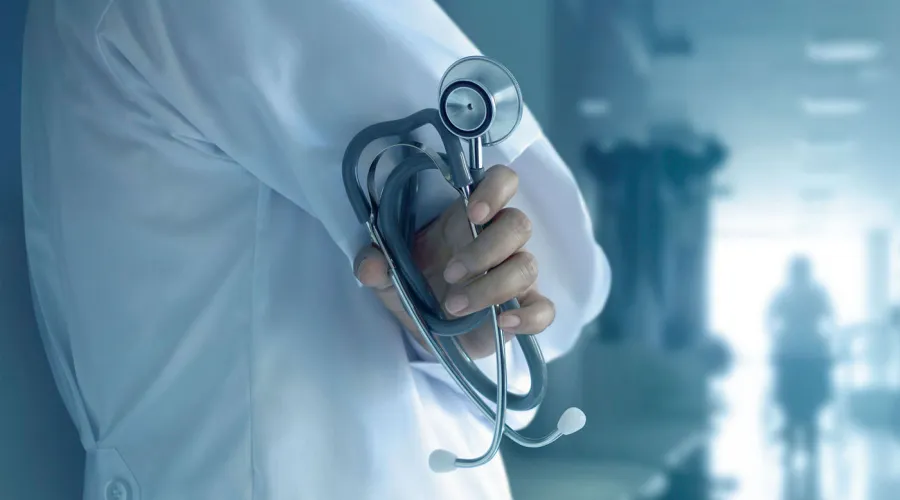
(479, 102)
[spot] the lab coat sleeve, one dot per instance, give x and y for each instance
(281, 86)
(574, 272)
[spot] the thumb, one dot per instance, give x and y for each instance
(371, 268)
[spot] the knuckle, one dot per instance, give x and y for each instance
(480, 256)
(551, 312)
(503, 173)
(545, 316)
(528, 267)
(499, 181)
(519, 223)
(508, 176)
(541, 328)
(479, 262)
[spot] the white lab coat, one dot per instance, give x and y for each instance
(190, 241)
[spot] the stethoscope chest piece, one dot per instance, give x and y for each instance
(479, 97)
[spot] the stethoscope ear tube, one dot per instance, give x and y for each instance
(458, 177)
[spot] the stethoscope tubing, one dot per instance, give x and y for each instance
(389, 221)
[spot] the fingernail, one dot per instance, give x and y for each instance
(509, 321)
(361, 269)
(358, 266)
(478, 212)
(457, 303)
(455, 272)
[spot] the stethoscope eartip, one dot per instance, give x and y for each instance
(571, 421)
(442, 461)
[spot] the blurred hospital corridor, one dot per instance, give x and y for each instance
(859, 451)
(857, 460)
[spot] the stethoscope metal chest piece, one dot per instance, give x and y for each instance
(479, 102)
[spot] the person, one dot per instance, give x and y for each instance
(800, 316)
(196, 265)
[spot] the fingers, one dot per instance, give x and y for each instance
(372, 268)
(535, 314)
(495, 191)
(507, 234)
(510, 279)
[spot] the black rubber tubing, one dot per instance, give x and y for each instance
(395, 222)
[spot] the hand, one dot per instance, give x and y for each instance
(455, 265)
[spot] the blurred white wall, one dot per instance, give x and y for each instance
(878, 246)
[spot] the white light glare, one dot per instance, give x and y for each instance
(832, 106)
(593, 107)
(844, 51)
(807, 147)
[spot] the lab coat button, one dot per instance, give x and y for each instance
(118, 490)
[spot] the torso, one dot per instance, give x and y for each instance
(207, 337)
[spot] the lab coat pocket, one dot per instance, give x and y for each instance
(108, 477)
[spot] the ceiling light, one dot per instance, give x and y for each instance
(829, 170)
(843, 51)
(832, 106)
(807, 147)
(593, 107)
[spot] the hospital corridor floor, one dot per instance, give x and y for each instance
(859, 451)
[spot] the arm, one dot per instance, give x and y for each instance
(281, 86)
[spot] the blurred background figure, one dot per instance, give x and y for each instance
(799, 317)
